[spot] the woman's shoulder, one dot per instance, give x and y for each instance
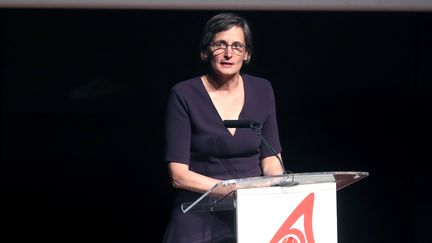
(256, 81)
(185, 85)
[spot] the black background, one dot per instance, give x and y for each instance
(83, 97)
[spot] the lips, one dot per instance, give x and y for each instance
(227, 64)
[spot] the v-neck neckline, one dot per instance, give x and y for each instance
(216, 110)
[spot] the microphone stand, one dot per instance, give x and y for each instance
(256, 128)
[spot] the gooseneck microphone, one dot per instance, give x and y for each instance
(256, 127)
(240, 123)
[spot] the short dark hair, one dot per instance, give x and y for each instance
(222, 22)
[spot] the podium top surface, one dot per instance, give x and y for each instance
(222, 192)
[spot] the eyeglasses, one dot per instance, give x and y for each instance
(219, 47)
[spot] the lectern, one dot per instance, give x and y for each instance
(296, 208)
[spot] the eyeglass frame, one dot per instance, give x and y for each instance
(234, 50)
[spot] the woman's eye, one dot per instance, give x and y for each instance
(220, 45)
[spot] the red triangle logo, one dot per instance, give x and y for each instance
(288, 234)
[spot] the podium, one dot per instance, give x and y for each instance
(292, 208)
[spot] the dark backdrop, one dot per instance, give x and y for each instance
(83, 96)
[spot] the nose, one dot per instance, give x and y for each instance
(228, 51)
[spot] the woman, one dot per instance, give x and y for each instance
(200, 151)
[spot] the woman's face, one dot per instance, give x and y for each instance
(227, 51)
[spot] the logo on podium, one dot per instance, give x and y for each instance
(287, 233)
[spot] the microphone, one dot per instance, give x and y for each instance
(241, 123)
(256, 127)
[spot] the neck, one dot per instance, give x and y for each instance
(223, 82)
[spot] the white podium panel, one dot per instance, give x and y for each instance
(305, 213)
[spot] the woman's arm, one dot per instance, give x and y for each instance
(183, 178)
(271, 165)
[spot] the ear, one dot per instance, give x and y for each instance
(204, 56)
(246, 56)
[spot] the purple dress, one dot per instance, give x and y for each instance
(195, 135)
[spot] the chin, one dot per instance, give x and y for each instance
(227, 72)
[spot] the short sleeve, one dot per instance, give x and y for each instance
(270, 129)
(177, 129)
